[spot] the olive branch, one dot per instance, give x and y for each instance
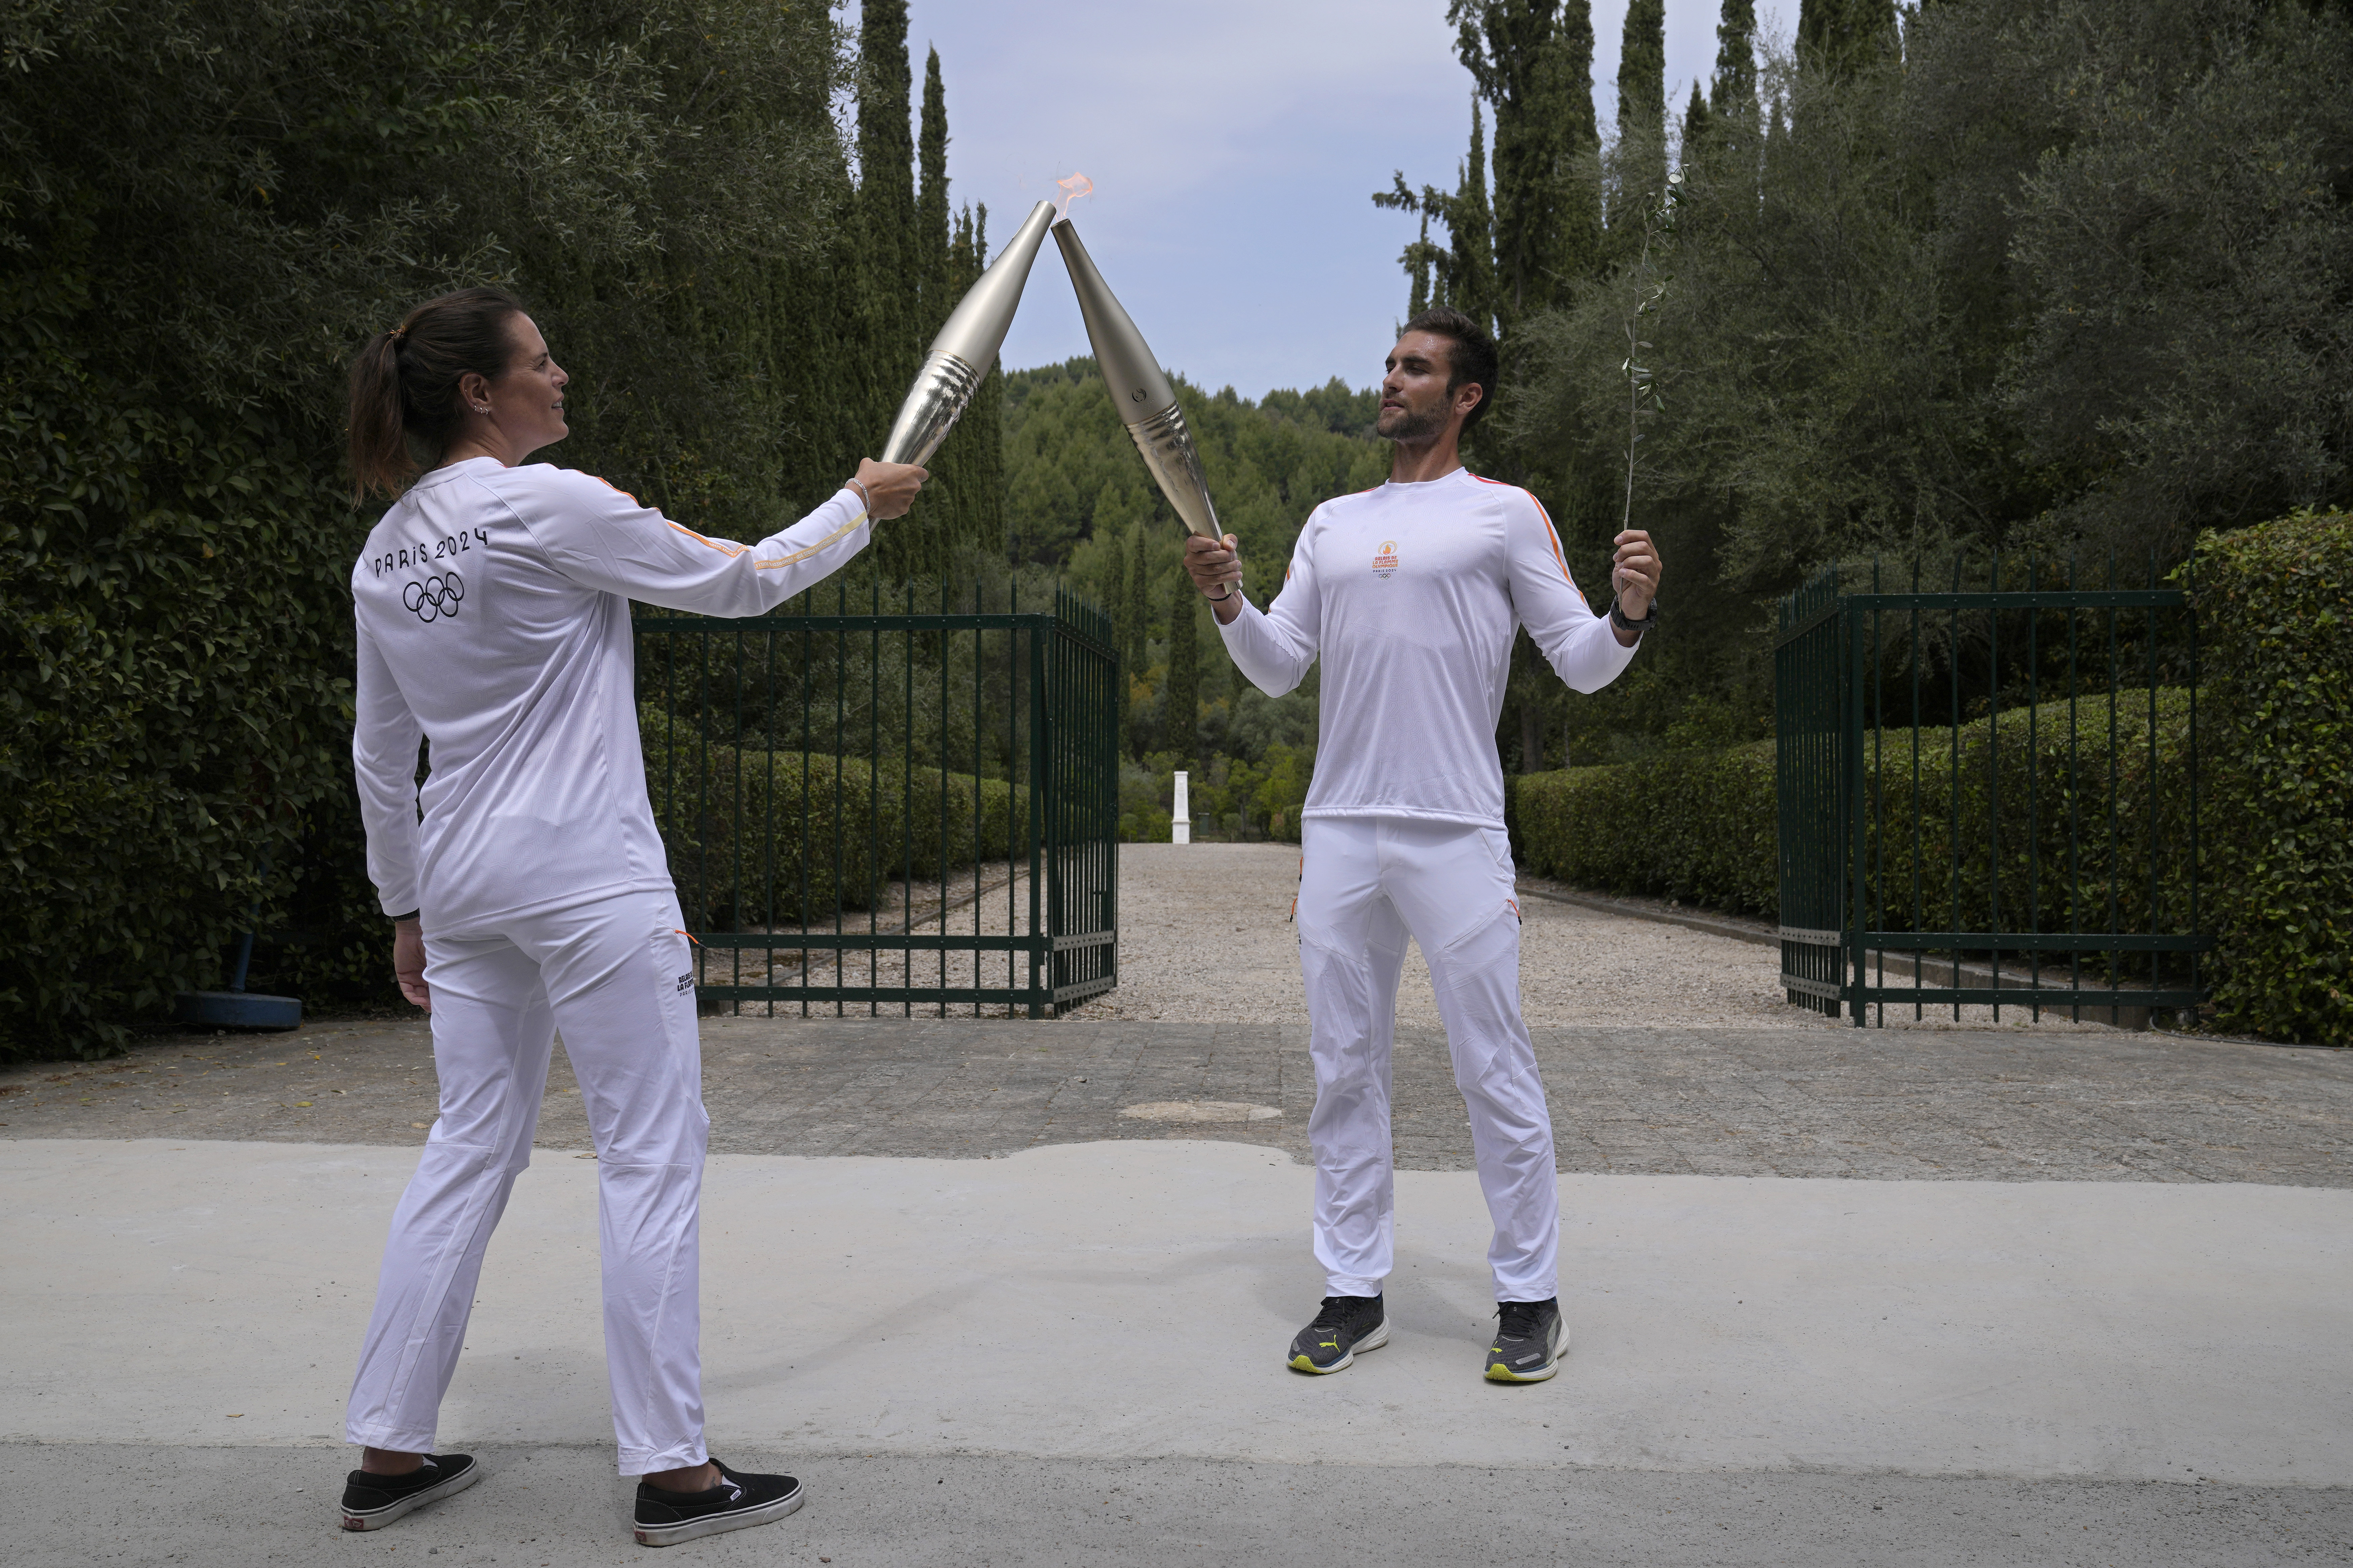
(1642, 393)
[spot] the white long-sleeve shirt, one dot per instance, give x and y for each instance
(1410, 593)
(493, 610)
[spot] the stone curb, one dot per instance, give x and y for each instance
(1665, 917)
(1930, 970)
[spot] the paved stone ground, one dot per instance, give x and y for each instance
(1206, 937)
(549, 1506)
(2100, 1105)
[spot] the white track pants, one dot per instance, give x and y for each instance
(1364, 884)
(614, 976)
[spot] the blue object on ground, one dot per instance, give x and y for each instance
(238, 1008)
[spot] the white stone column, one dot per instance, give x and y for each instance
(1180, 826)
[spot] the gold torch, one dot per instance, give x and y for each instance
(1146, 403)
(965, 347)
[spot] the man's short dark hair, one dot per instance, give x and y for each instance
(1472, 357)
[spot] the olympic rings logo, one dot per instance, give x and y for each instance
(436, 596)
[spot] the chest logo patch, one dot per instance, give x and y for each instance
(435, 597)
(1385, 560)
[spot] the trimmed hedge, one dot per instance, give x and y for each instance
(2275, 747)
(204, 210)
(1703, 827)
(2275, 613)
(174, 700)
(1700, 825)
(732, 881)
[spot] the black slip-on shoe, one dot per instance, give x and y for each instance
(739, 1502)
(1346, 1324)
(372, 1502)
(1529, 1339)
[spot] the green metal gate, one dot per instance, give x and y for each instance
(1990, 796)
(881, 805)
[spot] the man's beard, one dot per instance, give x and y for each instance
(1408, 426)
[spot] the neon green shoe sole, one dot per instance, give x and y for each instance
(1526, 1360)
(1302, 1361)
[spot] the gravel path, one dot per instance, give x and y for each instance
(1206, 937)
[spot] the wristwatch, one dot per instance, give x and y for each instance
(1618, 618)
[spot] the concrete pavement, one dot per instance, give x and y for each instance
(1048, 1325)
(1134, 1301)
(551, 1506)
(1839, 1297)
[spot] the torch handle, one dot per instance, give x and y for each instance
(941, 389)
(1174, 463)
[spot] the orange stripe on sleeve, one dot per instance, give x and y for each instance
(724, 546)
(1552, 536)
(800, 556)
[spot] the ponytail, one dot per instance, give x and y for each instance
(404, 394)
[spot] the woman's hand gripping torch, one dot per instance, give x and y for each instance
(966, 347)
(1147, 407)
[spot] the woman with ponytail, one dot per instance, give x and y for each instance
(528, 887)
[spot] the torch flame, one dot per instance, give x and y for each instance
(1074, 187)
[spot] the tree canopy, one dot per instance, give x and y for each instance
(204, 210)
(2069, 276)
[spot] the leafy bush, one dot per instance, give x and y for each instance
(1699, 826)
(1705, 825)
(1281, 793)
(204, 210)
(735, 822)
(1227, 795)
(1145, 791)
(174, 711)
(2275, 603)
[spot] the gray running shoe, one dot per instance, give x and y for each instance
(1346, 1324)
(1529, 1339)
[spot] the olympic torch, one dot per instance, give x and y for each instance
(1146, 403)
(965, 347)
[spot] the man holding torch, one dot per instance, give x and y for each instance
(1410, 593)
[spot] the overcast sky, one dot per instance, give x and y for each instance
(1234, 145)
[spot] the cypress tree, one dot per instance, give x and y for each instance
(1137, 620)
(934, 258)
(1471, 262)
(1695, 125)
(1418, 267)
(1115, 605)
(1513, 49)
(886, 193)
(1842, 36)
(1184, 712)
(1733, 94)
(979, 435)
(1643, 100)
(933, 241)
(1532, 62)
(889, 264)
(1578, 247)
(913, 265)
